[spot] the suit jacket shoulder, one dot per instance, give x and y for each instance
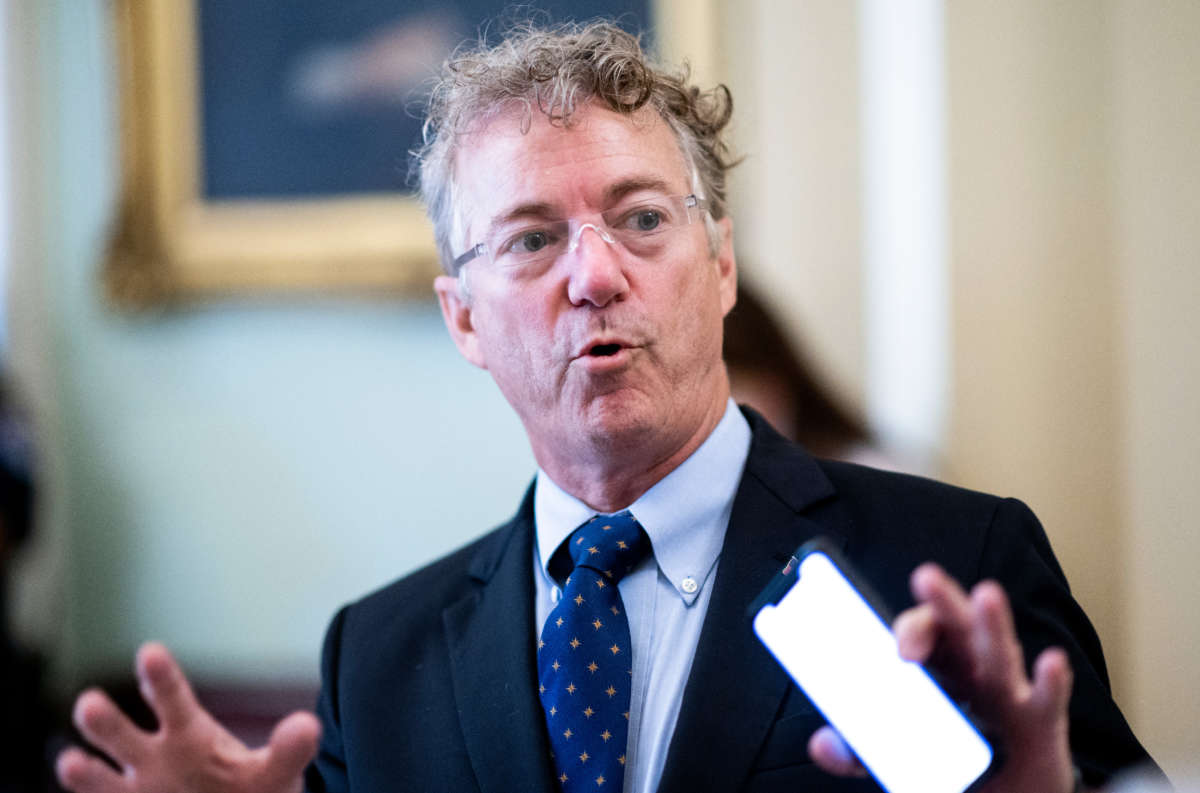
(429, 682)
(744, 726)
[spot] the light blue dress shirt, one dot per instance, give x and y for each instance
(666, 597)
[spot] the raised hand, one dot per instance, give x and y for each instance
(971, 641)
(189, 753)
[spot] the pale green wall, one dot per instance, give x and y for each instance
(224, 477)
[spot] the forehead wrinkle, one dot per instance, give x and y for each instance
(584, 134)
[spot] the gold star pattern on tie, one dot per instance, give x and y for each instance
(603, 551)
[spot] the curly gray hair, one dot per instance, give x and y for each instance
(558, 70)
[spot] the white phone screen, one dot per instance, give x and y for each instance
(902, 726)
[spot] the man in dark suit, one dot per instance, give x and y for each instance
(578, 199)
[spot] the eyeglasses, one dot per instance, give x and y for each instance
(644, 229)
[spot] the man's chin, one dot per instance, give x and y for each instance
(615, 418)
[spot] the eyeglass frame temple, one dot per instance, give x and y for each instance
(475, 251)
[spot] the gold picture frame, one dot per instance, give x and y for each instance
(170, 244)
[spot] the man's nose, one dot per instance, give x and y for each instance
(597, 275)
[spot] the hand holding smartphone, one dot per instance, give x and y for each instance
(839, 649)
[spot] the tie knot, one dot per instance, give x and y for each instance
(610, 544)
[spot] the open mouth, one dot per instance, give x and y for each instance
(605, 350)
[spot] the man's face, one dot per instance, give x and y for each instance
(599, 352)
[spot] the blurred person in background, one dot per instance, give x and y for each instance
(26, 717)
(773, 375)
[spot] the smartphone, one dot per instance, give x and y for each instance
(839, 649)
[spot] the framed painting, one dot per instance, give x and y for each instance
(265, 143)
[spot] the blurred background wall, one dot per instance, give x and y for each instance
(1071, 270)
(222, 477)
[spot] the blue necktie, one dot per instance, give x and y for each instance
(584, 662)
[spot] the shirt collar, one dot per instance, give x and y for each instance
(684, 514)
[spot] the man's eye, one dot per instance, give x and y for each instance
(644, 220)
(648, 220)
(529, 242)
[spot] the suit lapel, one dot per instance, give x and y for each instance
(736, 689)
(490, 635)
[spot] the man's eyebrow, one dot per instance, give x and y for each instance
(618, 190)
(532, 209)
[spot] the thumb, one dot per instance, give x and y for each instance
(830, 752)
(292, 745)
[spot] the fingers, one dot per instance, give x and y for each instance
(292, 745)
(1052, 681)
(936, 632)
(952, 610)
(970, 639)
(998, 659)
(81, 772)
(1037, 729)
(165, 688)
(916, 632)
(190, 751)
(831, 753)
(104, 726)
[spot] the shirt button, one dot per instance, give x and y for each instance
(689, 585)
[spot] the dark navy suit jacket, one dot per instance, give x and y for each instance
(430, 683)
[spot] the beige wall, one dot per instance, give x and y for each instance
(1156, 147)
(796, 199)
(1074, 260)
(1075, 201)
(1032, 266)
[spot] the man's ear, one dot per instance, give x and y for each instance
(456, 313)
(726, 265)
